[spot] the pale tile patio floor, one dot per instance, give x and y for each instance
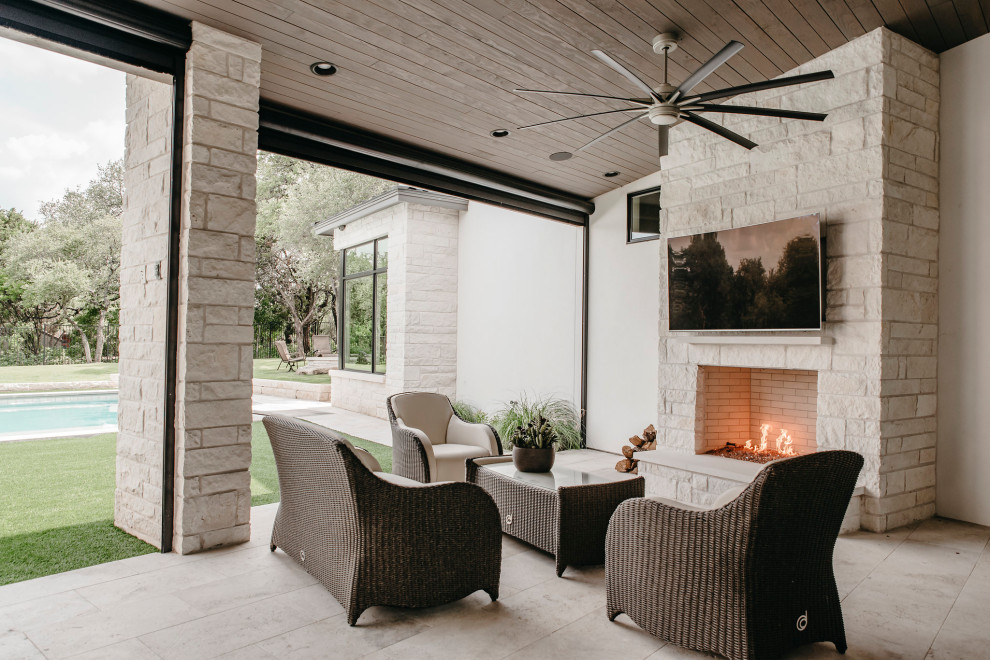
(356, 424)
(918, 592)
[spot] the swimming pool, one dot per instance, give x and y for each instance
(60, 414)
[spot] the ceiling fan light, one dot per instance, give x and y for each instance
(664, 115)
(664, 120)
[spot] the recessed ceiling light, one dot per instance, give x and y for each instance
(561, 155)
(611, 173)
(499, 132)
(323, 68)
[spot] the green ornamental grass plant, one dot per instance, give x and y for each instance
(469, 413)
(560, 414)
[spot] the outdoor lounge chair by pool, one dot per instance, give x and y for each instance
(374, 538)
(321, 346)
(747, 580)
(286, 358)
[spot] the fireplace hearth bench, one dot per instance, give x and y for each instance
(564, 512)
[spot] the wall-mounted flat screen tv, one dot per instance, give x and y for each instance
(762, 277)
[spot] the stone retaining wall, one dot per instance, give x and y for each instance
(293, 390)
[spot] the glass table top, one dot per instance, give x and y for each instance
(558, 476)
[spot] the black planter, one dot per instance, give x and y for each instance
(533, 460)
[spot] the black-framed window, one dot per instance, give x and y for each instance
(643, 215)
(364, 296)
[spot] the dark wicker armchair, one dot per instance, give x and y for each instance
(377, 539)
(752, 579)
(430, 442)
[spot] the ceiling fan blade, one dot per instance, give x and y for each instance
(706, 69)
(766, 84)
(610, 132)
(763, 112)
(594, 96)
(629, 75)
(720, 130)
(593, 114)
(664, 139)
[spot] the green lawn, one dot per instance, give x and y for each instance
(61, 373)
(58, 373)
(56, 499)
(56, 502)
(269, 369)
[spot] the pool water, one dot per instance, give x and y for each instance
(24, 416)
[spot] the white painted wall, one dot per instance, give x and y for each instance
(963, 457)
(518, 307)
(623, 339)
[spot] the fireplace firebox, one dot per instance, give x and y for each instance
(756, 414)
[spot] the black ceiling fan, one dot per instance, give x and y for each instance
(667, 105)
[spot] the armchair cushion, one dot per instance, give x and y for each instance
(428, 412)
(450, 460)
(396, 479)
(366, 457)
(479, 435)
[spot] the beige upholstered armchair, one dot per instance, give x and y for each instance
(430, 442)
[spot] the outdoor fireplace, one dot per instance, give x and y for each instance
(756, 415)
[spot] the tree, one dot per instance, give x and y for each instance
(701, 277)
(797, 283)
(12, 224)
(69, 265)
(294, 265)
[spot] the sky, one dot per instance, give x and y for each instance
(59, 118)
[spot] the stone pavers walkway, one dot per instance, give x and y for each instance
(919, 592)
(356, 424)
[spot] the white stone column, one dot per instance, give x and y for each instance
(216, 292)
(143, 289)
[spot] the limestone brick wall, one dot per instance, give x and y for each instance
(143, 289)
(909, 326)
(216, 290)
(846, 169)
(425, 320)
(421, 330)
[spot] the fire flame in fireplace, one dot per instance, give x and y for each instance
(784, 443)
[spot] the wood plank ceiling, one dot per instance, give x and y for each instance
(440, 73)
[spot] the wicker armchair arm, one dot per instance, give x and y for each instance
(412, 453)
(477, 435)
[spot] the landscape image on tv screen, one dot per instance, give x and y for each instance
(763, 277)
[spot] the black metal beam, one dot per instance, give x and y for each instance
(124, 31)
(300, 134)
(585, 270)
(172, 307)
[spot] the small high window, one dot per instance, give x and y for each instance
(643, 215)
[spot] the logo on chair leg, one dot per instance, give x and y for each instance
(802, 621)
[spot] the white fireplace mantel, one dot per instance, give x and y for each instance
(773, 340)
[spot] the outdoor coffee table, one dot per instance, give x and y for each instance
(564, 512)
